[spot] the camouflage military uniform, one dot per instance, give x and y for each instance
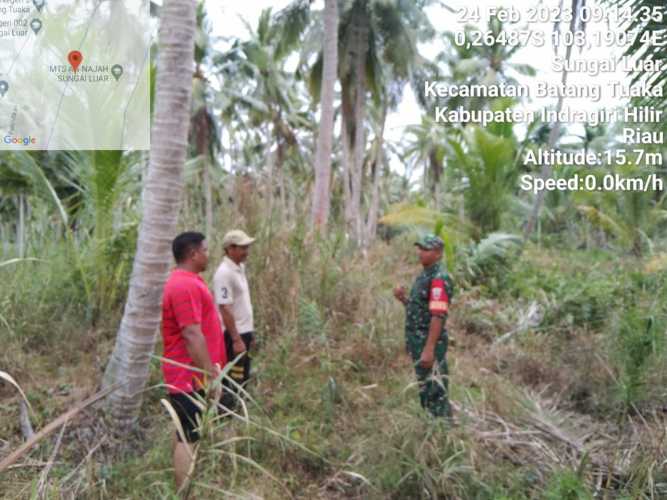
(429, 297)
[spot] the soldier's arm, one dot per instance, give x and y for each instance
(433, 334)
(438, 306)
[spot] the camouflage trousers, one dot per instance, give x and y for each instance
(433, 382)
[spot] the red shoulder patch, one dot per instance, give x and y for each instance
(438, 300)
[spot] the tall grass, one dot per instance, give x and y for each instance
(37, 294)
(638, 348)
(333, 410)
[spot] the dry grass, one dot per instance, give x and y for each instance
(337, 413)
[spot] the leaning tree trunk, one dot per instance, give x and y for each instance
(371, 221)
(346, 163)
(270, 164)
(322, 190)
(202, 132)
(354, 115)
(361, 50)
(553, 136)
(280, 170)
(129, 363)
(208, 197)
(546, 170)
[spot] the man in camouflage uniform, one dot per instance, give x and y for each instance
(425, 335)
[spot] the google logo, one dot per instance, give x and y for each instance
(25, 141)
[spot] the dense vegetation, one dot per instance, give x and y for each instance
(558, 357)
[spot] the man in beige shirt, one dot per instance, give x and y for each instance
(232, 295)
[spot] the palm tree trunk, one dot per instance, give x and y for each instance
(360, 52)
(3, 238)
(322, 191)
(201, 126)
(553, 136)
(436, 168)
(208, 197)
(129, 363)
(371, 221)
(292, 201)
(280, 168)
(373, 209)
(270, 163)
(545, 172)
(347, 168)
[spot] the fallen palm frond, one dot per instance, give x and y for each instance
(6, 376)
(46, 431)
(539, 434)
(16, 261)
(530, 318)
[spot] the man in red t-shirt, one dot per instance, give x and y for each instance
(192, 336)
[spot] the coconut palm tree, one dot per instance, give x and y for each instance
(322, 190)
(268, 97)
(425, 145)
(632, 218)
(204, 135)
(486, 160)
(657, 11)
(471, 64)
(576, 24)
(100, 180)
(378, 48)
(129, 363)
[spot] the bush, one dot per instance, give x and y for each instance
(637, 341)
(38, 295)
(491, 260)
(310, 322)
(574, 291)
(566, 485)
(583, 300)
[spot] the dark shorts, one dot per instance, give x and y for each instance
(239, 373)
(188, 413)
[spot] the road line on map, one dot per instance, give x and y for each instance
(18, 56)
(62, 96)
(129, 101)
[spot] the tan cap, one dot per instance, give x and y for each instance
(238, 238)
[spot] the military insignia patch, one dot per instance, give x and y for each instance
(439, 302)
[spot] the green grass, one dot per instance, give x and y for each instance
(335, 411)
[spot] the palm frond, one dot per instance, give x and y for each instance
(289, 26)
(603, 221)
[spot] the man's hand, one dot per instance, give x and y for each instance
(195, 344)
(427, 359)
(400, 294)
(238, 346)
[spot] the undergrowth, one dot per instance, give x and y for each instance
(567, 407)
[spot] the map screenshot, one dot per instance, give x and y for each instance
(74, 74)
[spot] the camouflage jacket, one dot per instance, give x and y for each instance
(429, 296)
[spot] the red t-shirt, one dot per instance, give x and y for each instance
(188, 301)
